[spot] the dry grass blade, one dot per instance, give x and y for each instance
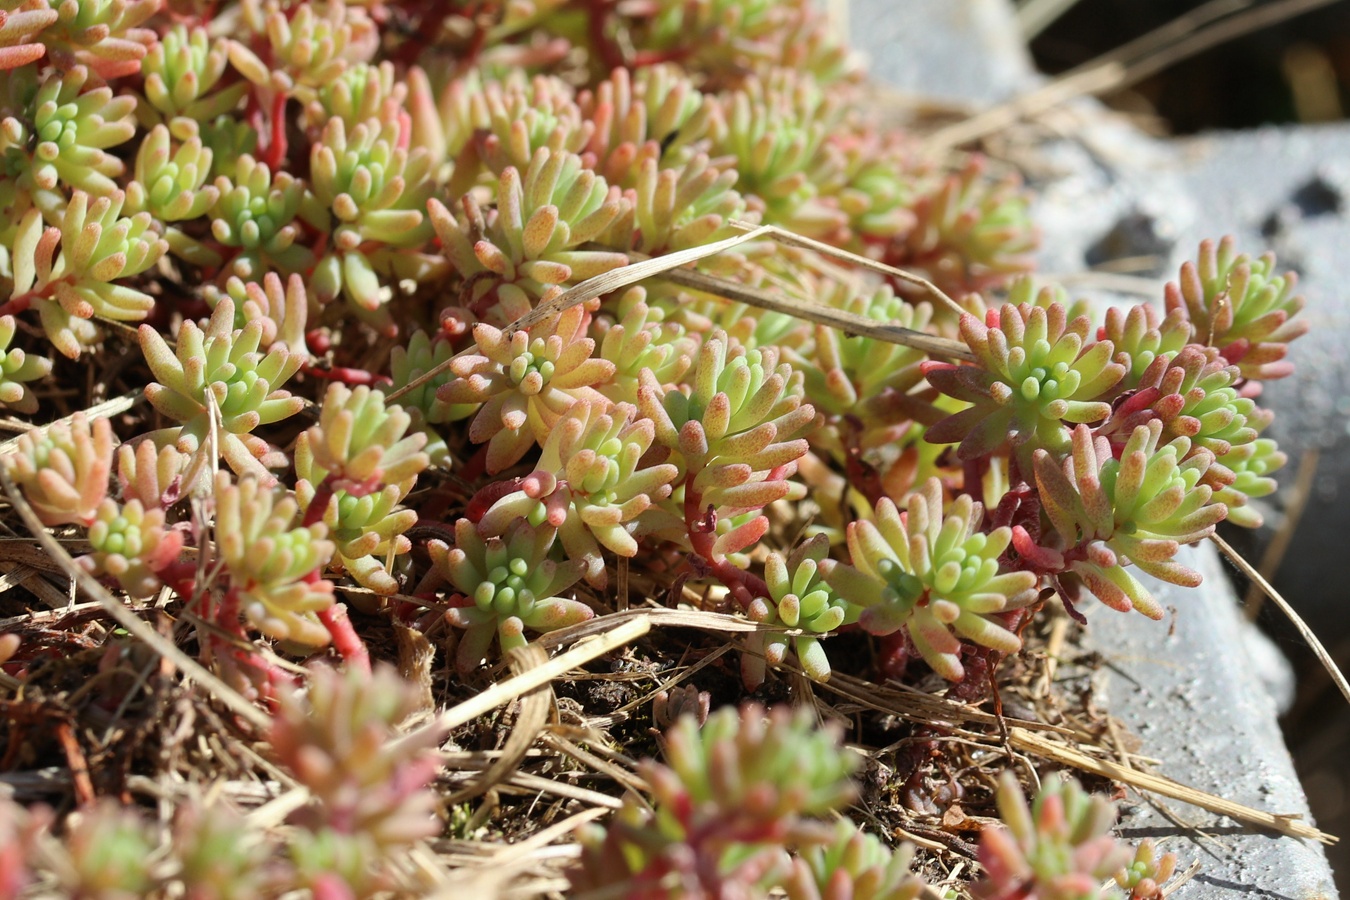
(658, 617)
(1313, 642)
(1037, 745)
(629, 274)
(535, 706)
(920, 707)
(506, 691)
(1034, 16)
(789, 239)
(847, 322)
(105, 410)
(669, 267)
(133, 624)
(1284, 538)
(1197, 31)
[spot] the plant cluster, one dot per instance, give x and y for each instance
(733, 797)
(309, 230)
(369, 804)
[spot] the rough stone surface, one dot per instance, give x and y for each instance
(1192, 695)
(967, 41)
(1200, 699)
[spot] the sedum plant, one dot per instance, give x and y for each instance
(271, 558)
(368, 784)
(1059, 848)
(800, 598)
(220, 386)
(220, 174)
(933, 573)
(502, 586)
(63, 469)
(727, 820)
(17, 369)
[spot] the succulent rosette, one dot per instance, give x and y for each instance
(590, 484)
(935, 574)
(1035, 372)
(505, 585)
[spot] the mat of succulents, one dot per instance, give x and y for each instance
(362, 358)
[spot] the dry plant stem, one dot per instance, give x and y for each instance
(128, 620)
(789, 239)
(1054, 751)
(849, 323)
(1034, 16)
(506, 691)
(627, 275)
(1279, 545)
(1313, 642)
(1178, 40)
(669, 268)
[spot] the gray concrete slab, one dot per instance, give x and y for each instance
(1196, 696)
(1193, 695)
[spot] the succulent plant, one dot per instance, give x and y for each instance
(17, 368)
(1058, 849)
(271, 559)
(63, 469)
(159, 476)
(360, 443)
(854, 866)
(376, 193)
(798, 598)
(678, 207)
(103, 853)
(526, 383)
(308, 46)
(255, 216)
(18, 839)
(171, 184)
(98, 247)
(1192, 395)
(504, 585)
(533, 240)
(102, 35)
(726, 38)
(1137, 507)
(514, 117)
(1145, 874)
(68, 126)
(282, 309)
(1241, 307)
(1251, 465)
(934, 574)
(1142, 334)
(970, 233)
(1035, 372)
(180, 71)
(732, 794)
(359, 464)
(589, 484)
(774, 127)
(133, 545)
(368, 782)
(220, 857)
(18, 28)
(220, 386)
(638, 338)
(736, 431)
(361, 93)
(630, 110)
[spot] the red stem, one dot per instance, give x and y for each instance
(702, 525)
(345, 639)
